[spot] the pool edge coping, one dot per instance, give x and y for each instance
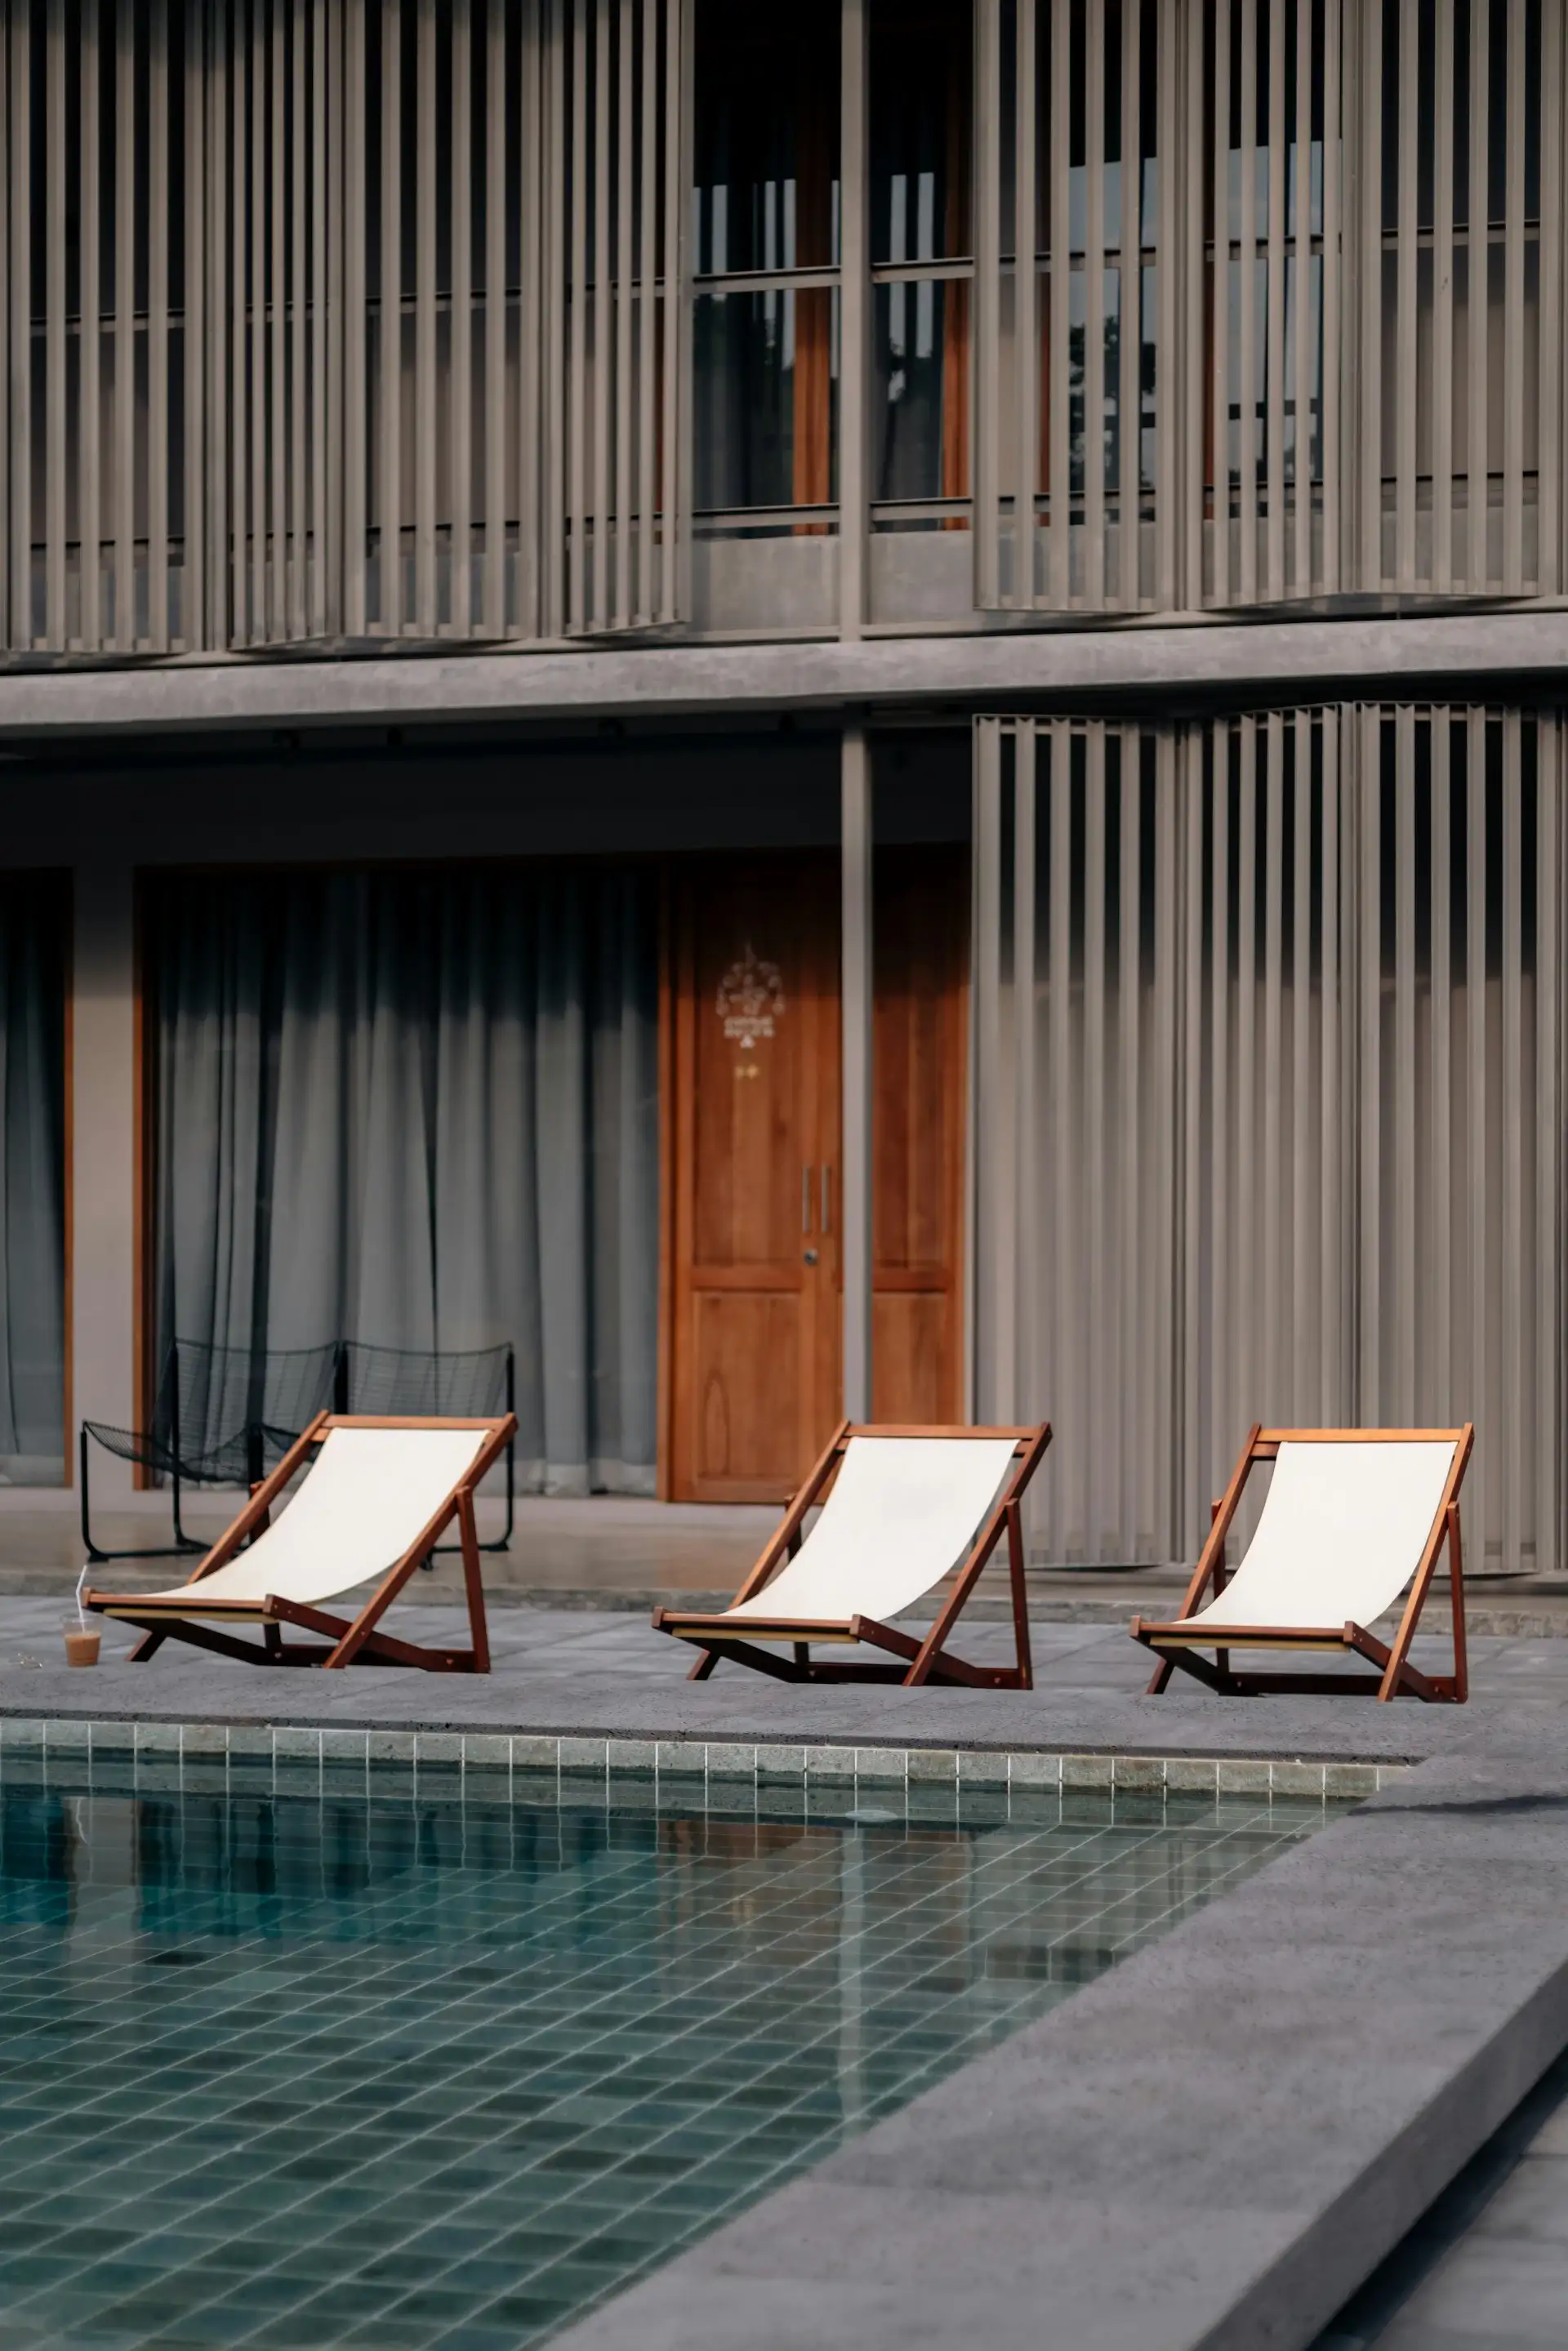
(773, 1764)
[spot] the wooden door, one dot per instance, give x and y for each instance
(755, 1286)
(920, 957)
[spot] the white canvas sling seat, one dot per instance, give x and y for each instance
(1353, 1517)
(906, 1507)
(372, 1503)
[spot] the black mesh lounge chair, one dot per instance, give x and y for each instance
(221, 1417)
(467, 1383)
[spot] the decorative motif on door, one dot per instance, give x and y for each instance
(750, 1004)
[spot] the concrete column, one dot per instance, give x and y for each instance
(103, 1164)
(854, 324)
(855, 1244)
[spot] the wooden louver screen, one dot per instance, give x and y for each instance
(1458, 263)
(613, 393)
(1075, 315)
(1264, 288)
(438, 167)
(102, 421)
(1268, 1070)
(327, 319)
(269, 353)
(1340, 360)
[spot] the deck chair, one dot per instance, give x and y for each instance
(1351, 1517)
(906, 1507)
(372, 1503)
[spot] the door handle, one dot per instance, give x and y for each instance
(827, 1198)
(805, 1199)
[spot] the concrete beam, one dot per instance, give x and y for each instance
(1311, 657)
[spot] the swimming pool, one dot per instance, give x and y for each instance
(370, 2066)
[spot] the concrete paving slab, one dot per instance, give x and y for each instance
(1210, 2147)
(603, 1675)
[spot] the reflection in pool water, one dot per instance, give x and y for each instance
(362, 2065)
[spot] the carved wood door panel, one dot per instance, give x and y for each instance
(755, 1269)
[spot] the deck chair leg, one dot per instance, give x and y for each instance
(704, 1666)
(148, 1645)
(473, 1580)
(1160, 1678)
(1457, 1605)
(1021, 1597)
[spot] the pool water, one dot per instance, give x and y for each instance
(377, 2067)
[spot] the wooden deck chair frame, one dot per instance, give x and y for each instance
(1179, 1644)
(344, 1641)
(927, 1660)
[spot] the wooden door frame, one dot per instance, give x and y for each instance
(663, 1472)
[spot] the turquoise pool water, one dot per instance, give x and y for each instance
(365, 2066)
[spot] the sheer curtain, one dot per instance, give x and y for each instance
(32, 1180)
(421, 1111)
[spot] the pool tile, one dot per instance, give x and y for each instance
(1237, 1777)
(531, 1752)
(1296, 1779)
(438, 1747)
(346, 1746)
(486, 1751)
(389, 1746)
(248, 1741)
(296, 1742)
(470, 2125)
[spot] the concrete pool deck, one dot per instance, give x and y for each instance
(1212, 2147)
(609, 1691)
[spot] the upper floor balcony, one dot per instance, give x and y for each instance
(340, 323)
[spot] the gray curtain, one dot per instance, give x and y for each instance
(422, 1112)
(32, 1180)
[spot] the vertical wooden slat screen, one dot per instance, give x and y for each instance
(1077, 259)
(274, 112)
(100, 112)
(1458, 247)
(1461, 856)
(613, 273)
(441, 182)
(1268, 1109)
(1353, 204)
(1264, 267)
(1268, 1302)
(1078, 952)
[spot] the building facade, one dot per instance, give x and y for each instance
(848, 708)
